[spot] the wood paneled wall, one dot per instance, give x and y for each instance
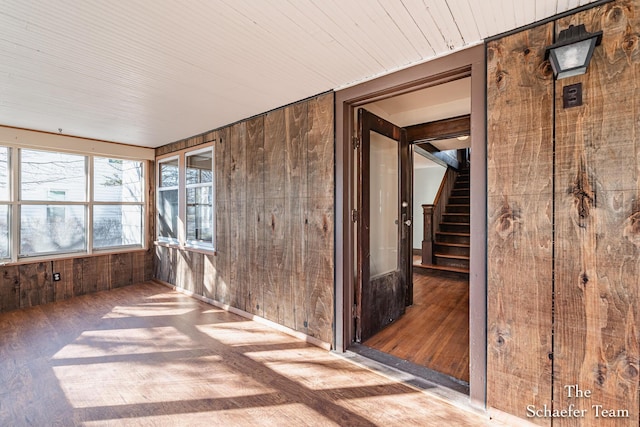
(274, 219)
(28, 285)
(564, 225)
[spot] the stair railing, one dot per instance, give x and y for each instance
(432, 214)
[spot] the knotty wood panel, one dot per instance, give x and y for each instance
(275, 215)
(31, 284)
(294, 289)
(96, 273)
(519, 97)
(122, 270)
(64, 289)
(598, 224)
(320, 141)
(237, 205)
(9, 289)
(36, 286)
(210, 276)
(256, 243)
(223, 189)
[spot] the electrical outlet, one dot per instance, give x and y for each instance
(56, 277)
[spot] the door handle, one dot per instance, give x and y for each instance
(408, 223)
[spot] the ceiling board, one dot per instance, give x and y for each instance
(148, 72)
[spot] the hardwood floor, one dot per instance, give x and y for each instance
(146, 355)
(434, 331)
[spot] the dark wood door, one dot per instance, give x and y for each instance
(383, 287)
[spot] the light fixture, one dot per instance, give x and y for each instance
(571, 54)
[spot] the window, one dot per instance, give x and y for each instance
(199, 190)
(117, 203)
(186, 197)
(5, 206)
(169, 173)
(57, 209)
(52, 220)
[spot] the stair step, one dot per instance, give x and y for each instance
(459, 261)
(456, 227)
(463, 208)
(453, 237)
(451, 248)
(442, 268)
(457, 245)
(459, 200)
(452, 256)
(460, 192)
(456, 217)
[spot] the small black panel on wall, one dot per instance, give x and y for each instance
(572, 95)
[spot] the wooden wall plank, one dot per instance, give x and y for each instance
(121, 269)
(520, 154)
(237, 205)
(223, 189)
(9, 288)
(256, 243)
(320, 150)
(598, 224)
(274, 259)
(36, 286)
(319, 267)
(295, 150)
(210, 276)
(275, 215)
(63, 289)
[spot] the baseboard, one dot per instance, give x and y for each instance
(299, 335)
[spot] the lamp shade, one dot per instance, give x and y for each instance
(571, 54)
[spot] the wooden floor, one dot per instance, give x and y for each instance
(146, 355)
(434, 332)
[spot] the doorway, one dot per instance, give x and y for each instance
(466, 64)
(419, 317)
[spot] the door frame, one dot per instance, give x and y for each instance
(469, 62)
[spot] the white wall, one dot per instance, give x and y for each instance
(426, 182)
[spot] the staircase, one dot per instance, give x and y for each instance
(451, 241)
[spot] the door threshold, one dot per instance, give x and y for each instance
(408, 372)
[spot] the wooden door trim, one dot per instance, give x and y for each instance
(469, 62)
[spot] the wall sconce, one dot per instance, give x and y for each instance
(571, 54)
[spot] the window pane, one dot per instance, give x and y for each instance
(200, 214)
(117, 225)
(4, 173)
(4, 231)
(199, 168)
(117, 180)
(169, 173)
(45, 175)
(52, 228)
(168, 214)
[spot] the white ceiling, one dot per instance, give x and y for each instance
(149, 72)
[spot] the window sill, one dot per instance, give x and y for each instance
(61, 257)
(186, 248)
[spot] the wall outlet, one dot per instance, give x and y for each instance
(56, 277)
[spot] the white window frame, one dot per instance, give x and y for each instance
(141, 203)
(169, 240)
(181, 241)
(15, 204)
(197, 243)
